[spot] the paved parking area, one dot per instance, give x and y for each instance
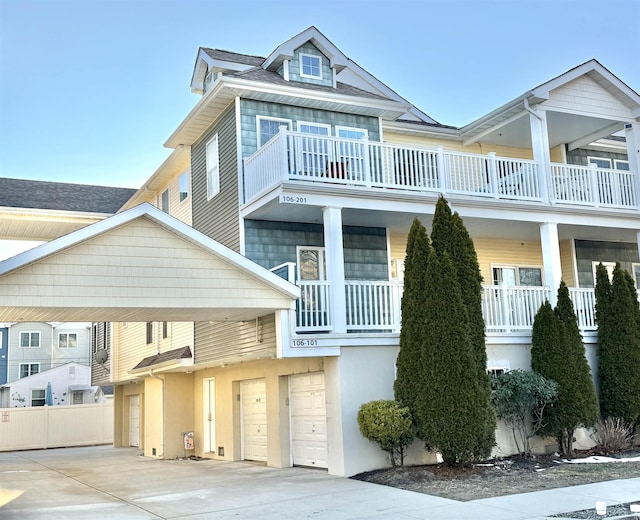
(116, 483)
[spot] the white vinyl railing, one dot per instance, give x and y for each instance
(584, 305)
(313, 306)
(511, 308)
(360, 162)
(373, 305)
(593, 186)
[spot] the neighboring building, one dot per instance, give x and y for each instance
(35, 347)
(70, 383)
(304, 164)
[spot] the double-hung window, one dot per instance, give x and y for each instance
(164, 202)
(38, 397)
(636, 274)
(514, 275)
(29, 340)
(149, 330)
(310, 66)
(67, 340)
(213, 168)
(351, 154)
(269, 127)
(184, 186)
(600, 162)
(28, 369)
(315, 149)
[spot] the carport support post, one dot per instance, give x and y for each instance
(334, 252)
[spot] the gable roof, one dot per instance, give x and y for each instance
(514, 112)
(22, 193)
(138, 265)
(285, 51)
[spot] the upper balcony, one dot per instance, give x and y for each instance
(293, 156)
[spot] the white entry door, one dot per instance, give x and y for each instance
(308, 419)
(134, 420)
(253, 401)
(210, 415)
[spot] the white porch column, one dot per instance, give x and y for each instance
(632, 135)
(540, 148)
(334, 256)
(551, 258)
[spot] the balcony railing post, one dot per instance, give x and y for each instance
(443, 175)
(366, 160)
(283, 151)
(493, 175)
(593, 181)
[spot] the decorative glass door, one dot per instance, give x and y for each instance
(313, 306)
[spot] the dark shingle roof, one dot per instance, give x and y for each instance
(171, 355)
(234, 57)
(22, 193)
(267, 76)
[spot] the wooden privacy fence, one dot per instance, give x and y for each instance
(40, 427)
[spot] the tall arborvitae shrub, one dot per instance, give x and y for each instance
(409, 365)
(546, 350)
(451, 407)
(449, 235)
(561, 358)
(617, 316)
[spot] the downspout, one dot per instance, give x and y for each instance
(530, 110)
(161, 379)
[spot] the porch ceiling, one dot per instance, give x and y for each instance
(140, 265)
(521, 223)
(562, 128)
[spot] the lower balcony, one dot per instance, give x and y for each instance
(374, 306)
(293, 156)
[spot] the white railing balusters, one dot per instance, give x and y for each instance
(360, 162)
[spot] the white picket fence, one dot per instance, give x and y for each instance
(39, 427)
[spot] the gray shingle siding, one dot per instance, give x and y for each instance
(589, 251)
(250, 109)
(579, 156)
(272, 243)
(218, 217)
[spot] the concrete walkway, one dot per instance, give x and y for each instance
(115, 483)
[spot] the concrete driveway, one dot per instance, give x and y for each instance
(105, 482)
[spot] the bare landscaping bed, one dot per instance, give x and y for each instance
(504, 476)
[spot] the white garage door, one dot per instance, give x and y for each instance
(308, 419)
(134, 420)
(254, 419)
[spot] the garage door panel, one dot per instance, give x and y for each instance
(254, 419)
(308, 419)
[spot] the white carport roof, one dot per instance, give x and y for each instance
(139, 265)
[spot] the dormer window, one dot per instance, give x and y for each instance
(310, 66)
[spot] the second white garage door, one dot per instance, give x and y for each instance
(308, 419)
(254, 419)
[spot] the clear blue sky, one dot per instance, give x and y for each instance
(91, 89)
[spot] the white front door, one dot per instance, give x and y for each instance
(253, 402)
(209, 393)
(134, 420)
(308, 420)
